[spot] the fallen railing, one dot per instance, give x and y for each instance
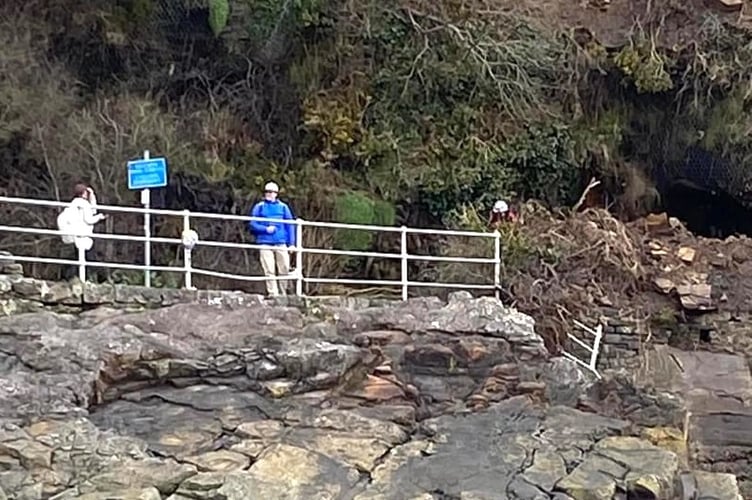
(593, 350)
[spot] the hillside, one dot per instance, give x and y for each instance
(404, 111)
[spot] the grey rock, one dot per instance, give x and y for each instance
(620, 395)
(503, 441)
(623, 464)
(15, 268)
(566, 381)
(718, 486)
(205, 395)
(6, 285)
(715, 390)
(8, 266)
(57, 364)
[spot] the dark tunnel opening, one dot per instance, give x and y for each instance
(713, 214)
(694, 191)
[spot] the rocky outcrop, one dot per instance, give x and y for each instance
(209, 443)
(230, 396)
(716, 393)
(59, 363)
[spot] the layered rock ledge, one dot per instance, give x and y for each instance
(216, 395)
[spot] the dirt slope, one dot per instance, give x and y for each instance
(612, 21)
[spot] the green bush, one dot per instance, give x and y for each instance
(543, 164)
(219, 13)
(358, 208)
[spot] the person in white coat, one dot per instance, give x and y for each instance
(78, 219)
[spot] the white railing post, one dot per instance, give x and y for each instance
(299, 257)
(596, 347)
(81, 262)
(146, 202)
(497, 264)
(403, 261)
(187, 250)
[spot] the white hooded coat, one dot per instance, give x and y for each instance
(77, 222)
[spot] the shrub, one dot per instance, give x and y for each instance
(359, 208)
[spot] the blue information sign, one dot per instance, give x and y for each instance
(147, 174)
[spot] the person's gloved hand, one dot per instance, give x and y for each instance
(270, 229)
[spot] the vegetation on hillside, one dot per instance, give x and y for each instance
(370, 111)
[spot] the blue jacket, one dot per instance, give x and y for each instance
(284, 234)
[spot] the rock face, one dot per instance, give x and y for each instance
(61, 364)
(290, 450)
(717, 393)
(233, 397)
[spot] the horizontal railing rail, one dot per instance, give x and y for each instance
(245, 218)
(189, 270)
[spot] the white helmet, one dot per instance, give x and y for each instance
(271, 186)
(500, 206)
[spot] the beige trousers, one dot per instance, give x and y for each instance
(275, 261)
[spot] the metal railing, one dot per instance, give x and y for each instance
(298, 276)
(593, 351)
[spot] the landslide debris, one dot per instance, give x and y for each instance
(562, 267)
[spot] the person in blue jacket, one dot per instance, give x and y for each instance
(277, 236)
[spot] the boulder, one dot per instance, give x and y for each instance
(701, 484)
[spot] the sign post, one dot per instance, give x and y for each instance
(145, 175)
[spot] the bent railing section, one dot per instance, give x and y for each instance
(593, 351)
